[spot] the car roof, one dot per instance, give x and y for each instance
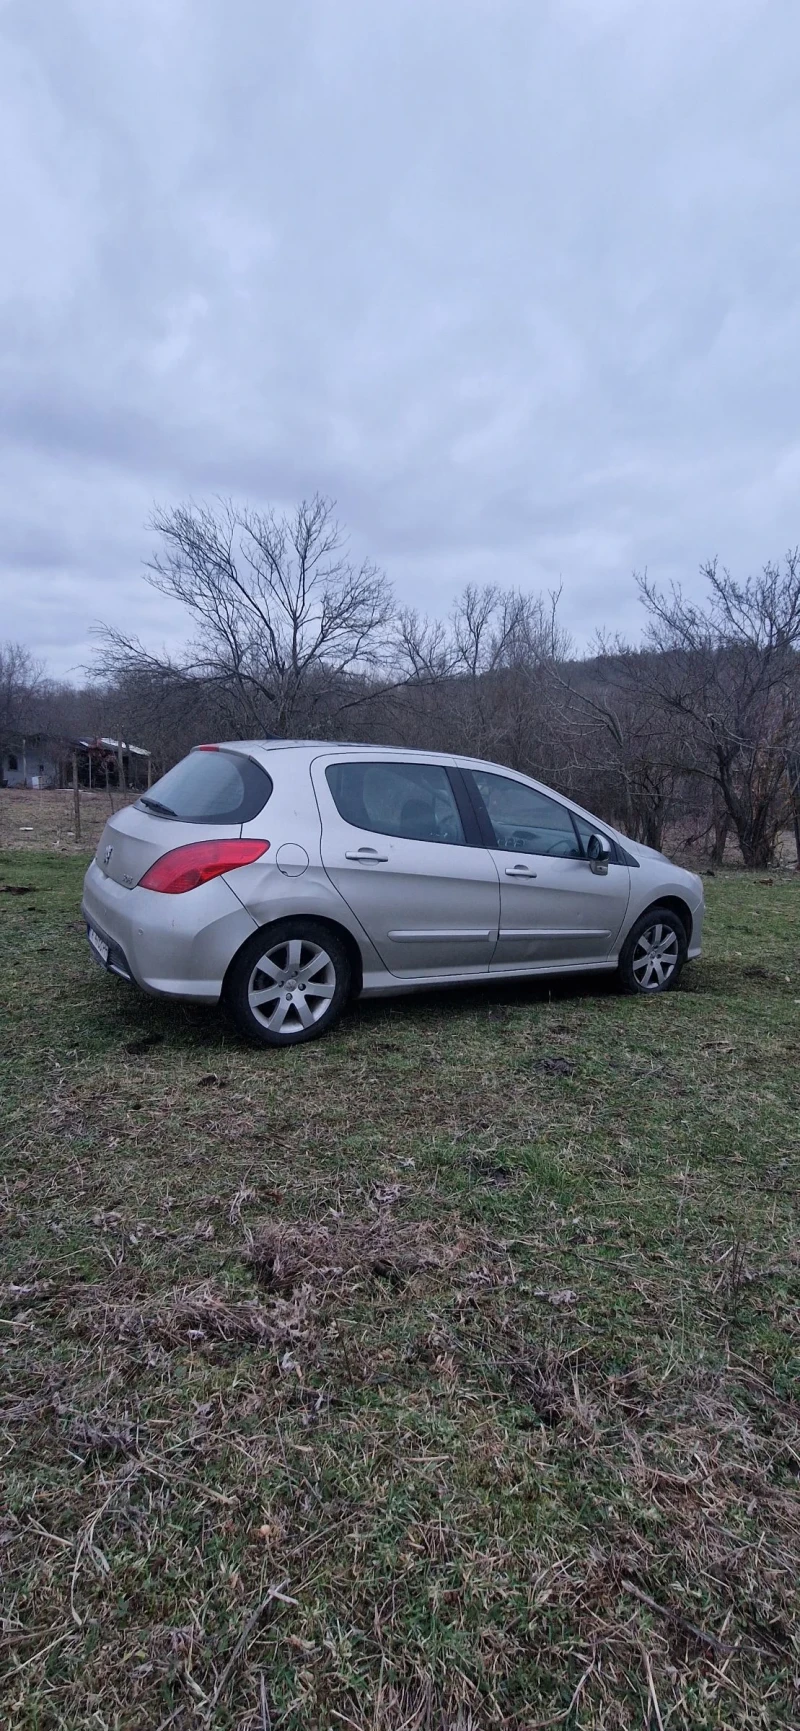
(326, 745)
(314, 746)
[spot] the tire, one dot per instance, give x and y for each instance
(289, 983)
(661, 931)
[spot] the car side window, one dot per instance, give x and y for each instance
(413, 800)
(524, 820)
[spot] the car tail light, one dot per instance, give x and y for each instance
(185, 867)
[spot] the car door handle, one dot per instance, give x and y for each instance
(368, 856)
(519, 871)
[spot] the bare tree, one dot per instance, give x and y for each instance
(473, 675)
(585, 721)
(729, 672)
(21, 684)
(288, 624)
(629, 741)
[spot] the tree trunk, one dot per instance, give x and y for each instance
(793, 772)
(652, 826)
(757, 850)
(721, 822)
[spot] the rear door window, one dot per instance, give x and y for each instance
(414, 800)
(210, 787)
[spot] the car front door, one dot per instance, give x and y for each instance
(554, 910)
(410, 863)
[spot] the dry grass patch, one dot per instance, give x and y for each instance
(284, 1255)
(198, 1316)
(32, 819)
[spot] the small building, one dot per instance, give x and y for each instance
(31, 760)
(99, 762)
(46, 760)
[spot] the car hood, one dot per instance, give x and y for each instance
(639, 851)
(652, 854)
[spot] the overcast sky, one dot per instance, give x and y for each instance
(516, 281)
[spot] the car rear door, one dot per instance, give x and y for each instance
(401, 845)
(554, 910)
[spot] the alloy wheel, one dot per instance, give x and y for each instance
(291, 986)
(655, 957)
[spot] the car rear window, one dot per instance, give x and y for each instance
(210, 787)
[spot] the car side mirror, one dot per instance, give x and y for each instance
(598, 854)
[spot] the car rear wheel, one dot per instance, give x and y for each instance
(653, 954)
(289, 983)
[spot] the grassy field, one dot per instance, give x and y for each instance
(442, 1375)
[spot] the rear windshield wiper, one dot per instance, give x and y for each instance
(156, 805)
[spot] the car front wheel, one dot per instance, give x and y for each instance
(289, 983)
(653, 953)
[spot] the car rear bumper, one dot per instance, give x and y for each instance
(173, 946)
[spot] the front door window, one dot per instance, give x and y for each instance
(525, 820)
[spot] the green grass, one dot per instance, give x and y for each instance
(490, 1367)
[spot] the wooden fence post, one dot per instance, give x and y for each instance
(76, 796)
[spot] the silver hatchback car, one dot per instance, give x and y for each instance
(288, 877)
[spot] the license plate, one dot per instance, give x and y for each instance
(98, 944)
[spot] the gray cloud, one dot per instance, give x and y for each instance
(516, 284)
